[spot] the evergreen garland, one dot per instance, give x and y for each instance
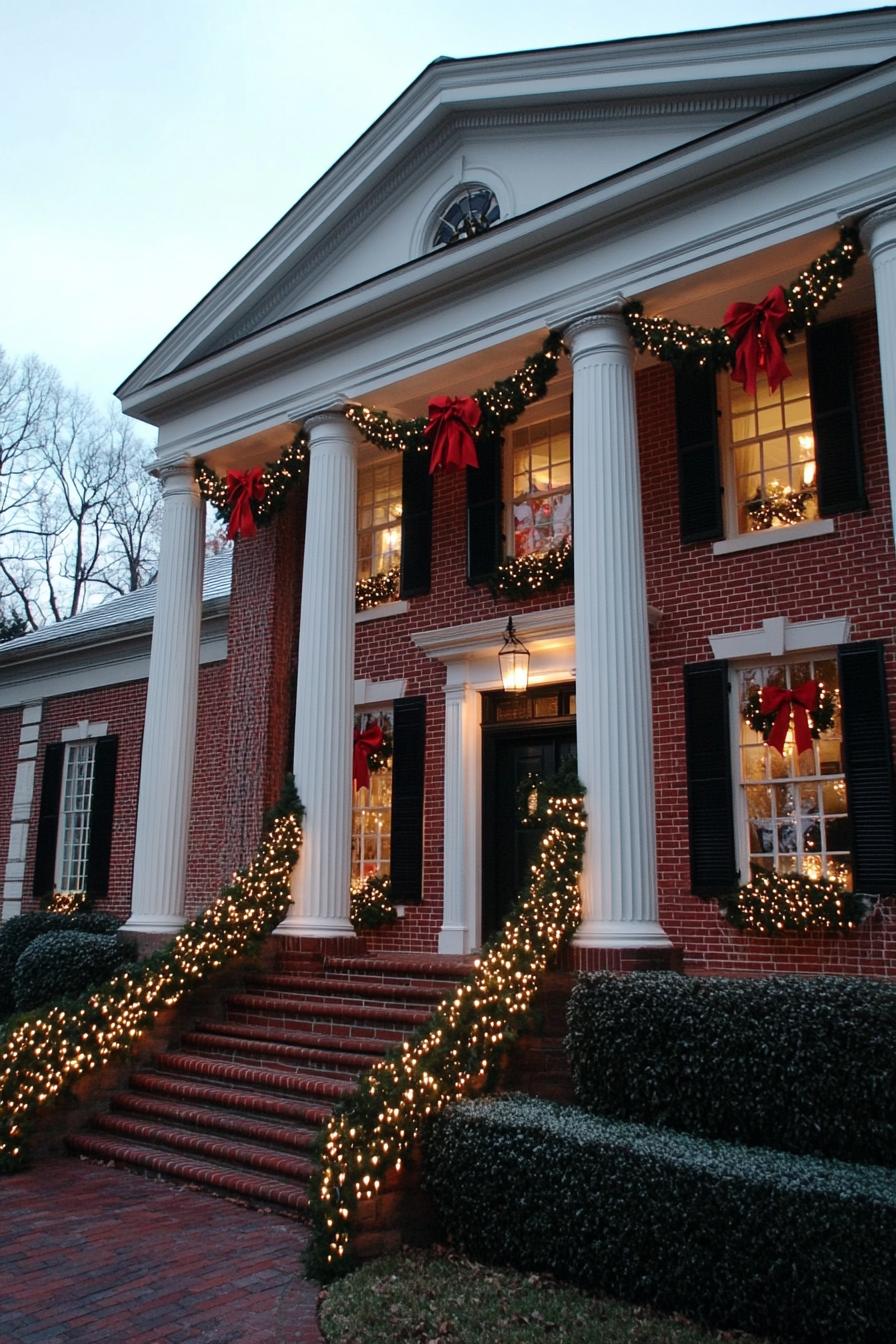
(377, 589)
(371, 903)
(278, 479)
(773, 903)
(689, 347)
(821, 718)
(527, 575)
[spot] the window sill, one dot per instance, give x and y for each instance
(384, 609)
(774, 536)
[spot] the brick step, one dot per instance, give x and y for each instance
(272, 1080)
(337, 1063)
(370, 1046)
(420, 994)
(408, 965)
(215, 1121)
(327, 1015)
(285, 1166)
(256, 1188)
(295, 1110)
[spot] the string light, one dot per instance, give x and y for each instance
(379, 588)
(370, 905)
(459, 1045)
(773, 903)
(529, 574)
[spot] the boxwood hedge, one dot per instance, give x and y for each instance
(735, 1236)
(17, 933)
(65, 963)
(802, 1064)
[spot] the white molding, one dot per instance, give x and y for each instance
(20, 812)
(382, 611)
(775, 536)
(378, 692)
(83, 730)
(778, 636)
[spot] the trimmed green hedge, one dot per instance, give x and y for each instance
(17, 933)
(807, 1065)
(738, 1237)
(64, 963)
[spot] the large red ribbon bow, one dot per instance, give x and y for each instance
(452, 421)
(782, 703)
(242, 488)
(754, 327)
(365, 743)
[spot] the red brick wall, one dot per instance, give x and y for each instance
(206, 862)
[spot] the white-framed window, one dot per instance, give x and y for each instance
(792, 808)
(372, 807)
(379, 516)
(769, 450)
(539, 478)
(75, 802)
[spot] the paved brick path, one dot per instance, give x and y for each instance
(92, 1255)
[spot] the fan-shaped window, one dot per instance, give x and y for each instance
(471, 212)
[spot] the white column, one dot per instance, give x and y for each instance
(461, 841)
(325, 682)
(169, 731)
(615, 756)
(879, 238)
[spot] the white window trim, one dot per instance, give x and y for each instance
(383, 610)
(83, 730)
(777, 636)
(774, 536)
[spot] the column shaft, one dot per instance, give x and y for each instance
(879, 238)
(613, 703)
(325, 682)
(169, 734)
(453, 935)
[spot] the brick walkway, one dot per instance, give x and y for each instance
(92, 1255)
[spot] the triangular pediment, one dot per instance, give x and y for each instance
(532, 127)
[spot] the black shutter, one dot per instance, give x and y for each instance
(838, 453)
(101, 808)
(710, 802)
(408, 757)
(699, 468)
(48, 821)
(416, 525)
(484, 511)
(868, 762)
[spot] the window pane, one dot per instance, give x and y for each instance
(541, 474)
(379, 517)
(372, 808)
(74, 819)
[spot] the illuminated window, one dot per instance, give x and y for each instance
(541, 489)
(372, 809)
(379, 517)
(794, 806)
(74, 817)
(772, 448)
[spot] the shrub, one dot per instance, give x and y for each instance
(805, 1065)
(744, 1237)
(64, 963)
(17, 933)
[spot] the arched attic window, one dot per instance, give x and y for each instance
(468, 212)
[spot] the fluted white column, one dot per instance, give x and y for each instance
(879, 238)
(613, 728)
(325, 682)
(460, 841)
(169, 733)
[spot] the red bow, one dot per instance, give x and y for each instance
(450, 432)
(779, 701)
(365, 743)
(753, 327)
(242, 488)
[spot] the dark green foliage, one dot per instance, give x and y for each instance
(289, 804)
(64, 963)
(17, 933)
(371, 904)
(527, 575)
(742, 1237)
(807, 1065)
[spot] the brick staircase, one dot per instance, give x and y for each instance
(238, 1105)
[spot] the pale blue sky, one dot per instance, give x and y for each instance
(145, 145)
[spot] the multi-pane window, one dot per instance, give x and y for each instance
(74, 817)
(795, 805)
(773, 448)
(541, 465)
(379, 516)
(372, 809)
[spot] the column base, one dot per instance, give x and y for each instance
(155, 924)
(626, 933)
(453, 940)
(308, 927)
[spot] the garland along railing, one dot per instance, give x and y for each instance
(53, 1047)
(462, 1041)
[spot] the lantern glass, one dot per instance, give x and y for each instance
(514, 662)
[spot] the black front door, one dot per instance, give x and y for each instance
(512, 755)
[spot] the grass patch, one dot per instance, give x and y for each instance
(438, 1297)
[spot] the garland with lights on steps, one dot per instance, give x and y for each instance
(46, 1051)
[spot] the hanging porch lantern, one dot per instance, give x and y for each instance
(513, 661)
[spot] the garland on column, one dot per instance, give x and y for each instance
(714, 348)
(254, 496)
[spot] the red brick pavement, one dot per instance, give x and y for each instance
(93, 1255)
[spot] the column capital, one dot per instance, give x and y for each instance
(605, 331)
(177, 478)
(878, 229)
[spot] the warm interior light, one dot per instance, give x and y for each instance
(809, 473)
(513, 661)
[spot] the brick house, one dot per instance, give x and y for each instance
(723, 540)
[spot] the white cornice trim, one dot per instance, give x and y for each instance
(778, 636)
